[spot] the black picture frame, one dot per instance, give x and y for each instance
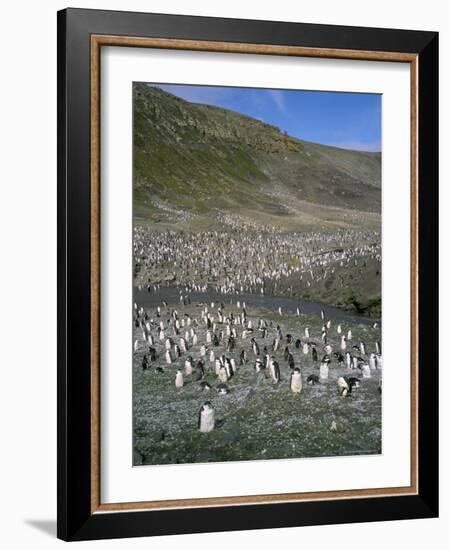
(75, 518)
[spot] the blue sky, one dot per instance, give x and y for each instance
(347, 120)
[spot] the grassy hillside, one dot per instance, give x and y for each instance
(191, 160)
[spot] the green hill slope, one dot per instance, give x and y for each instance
(192, 161)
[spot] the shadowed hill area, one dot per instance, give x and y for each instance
(191, 160)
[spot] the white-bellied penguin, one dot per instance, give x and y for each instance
(206, 417)
(179, 381)
(296, 380)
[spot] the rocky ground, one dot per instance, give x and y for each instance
(257, 419)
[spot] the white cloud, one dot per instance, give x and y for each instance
(278, 98)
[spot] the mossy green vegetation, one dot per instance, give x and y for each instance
(197, 157)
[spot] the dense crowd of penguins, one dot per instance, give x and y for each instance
(236, 261)
(218, 342)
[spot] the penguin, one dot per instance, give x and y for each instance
(352, 382)
(206, 418)
(275, 344)
(298, 343)
(348, 360)
(145, 362)
(306, 332)
(314, 354)
(233, 365)
(205, 386)
(343, 387)
(291, 361)
(231, 344)
(168, 357)
(275, 372)
(222, 389)
(229, 368)
(372, 361)
(255, 347)
(362, 348)
(296, 381)
(179, 382)
(183, 345)
(217, 365)
(258, 365)
(199, 371)
(223, 375)
(312, 380)
(188, 365)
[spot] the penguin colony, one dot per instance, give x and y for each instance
(241, 259)
(219, 351)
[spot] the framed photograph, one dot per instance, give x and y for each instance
(247, 255)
